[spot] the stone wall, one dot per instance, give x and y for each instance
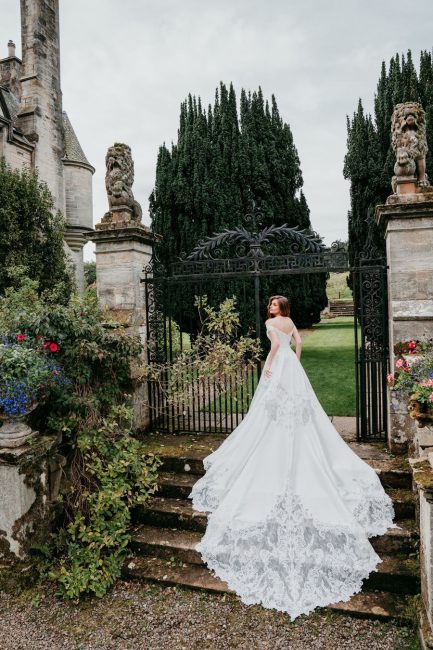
(30, 478)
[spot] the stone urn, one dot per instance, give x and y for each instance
(422, 413)
(411, 358)
(14, 431)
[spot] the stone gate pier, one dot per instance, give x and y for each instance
(407, 219)
(123, 248)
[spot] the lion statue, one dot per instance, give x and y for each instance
(409, 142)
(404, 166)
(119, 178)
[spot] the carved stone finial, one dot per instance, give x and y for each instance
(119, 178)
(409, 142)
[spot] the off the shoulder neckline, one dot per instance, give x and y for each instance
(280, 330)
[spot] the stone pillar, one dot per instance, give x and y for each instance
(408, 222)
(123, 248)
(29, 486)
(40, 115)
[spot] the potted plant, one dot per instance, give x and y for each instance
(28, 372)
(414, 378)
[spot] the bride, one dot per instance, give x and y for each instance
(292, 506)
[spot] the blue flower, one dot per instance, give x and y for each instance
(15, 398)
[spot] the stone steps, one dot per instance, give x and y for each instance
(179, 486)
(178, 513)
(396, 573)
(167, 529)
(379, 605)
(341, 308)
(183, 455)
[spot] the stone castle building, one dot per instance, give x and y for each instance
(34, 130)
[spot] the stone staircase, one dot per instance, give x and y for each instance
(166, 529)
(341, 308)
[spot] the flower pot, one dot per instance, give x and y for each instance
(422, 413)
(14, 432)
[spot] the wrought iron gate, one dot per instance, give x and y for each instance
(210, 268)
(370, 295)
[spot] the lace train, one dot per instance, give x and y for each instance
(289, 561)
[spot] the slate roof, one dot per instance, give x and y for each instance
(73, 150)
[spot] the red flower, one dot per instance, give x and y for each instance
(21, 337)
(412, 346)
(46, 345)
(54, 347)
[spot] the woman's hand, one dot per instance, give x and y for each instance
(268, 373)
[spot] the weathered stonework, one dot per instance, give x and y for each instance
(35, 132)
(409, 248)
(121, 253)
(29, 485)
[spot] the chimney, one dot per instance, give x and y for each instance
(11, 49)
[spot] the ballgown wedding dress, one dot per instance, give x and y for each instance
(292, 506)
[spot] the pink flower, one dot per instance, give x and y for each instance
(390, 378)
(431, 397)
(400, 363)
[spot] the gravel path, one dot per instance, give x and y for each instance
(150, 617)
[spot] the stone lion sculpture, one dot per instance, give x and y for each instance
(409, 142)
(119, 178)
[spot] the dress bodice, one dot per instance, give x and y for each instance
(285, 339)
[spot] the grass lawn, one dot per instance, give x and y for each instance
(328, 357)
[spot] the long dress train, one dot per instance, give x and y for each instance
(292, 506)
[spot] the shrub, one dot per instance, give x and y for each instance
(29, 225)
(108, 470)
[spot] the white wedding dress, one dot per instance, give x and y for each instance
(292, 506)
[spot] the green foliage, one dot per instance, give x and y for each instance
(90, 272)
(109, 470)
(222, 161)
(217, 352)
(28, 226)
(97, 537)
(337, 287)
(369, 160)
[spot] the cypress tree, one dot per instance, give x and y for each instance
(369, 160)
(222, 162)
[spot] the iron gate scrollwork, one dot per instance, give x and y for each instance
(236, 260)
(371, 342)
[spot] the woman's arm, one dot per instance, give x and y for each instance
(275, 344)
(298, 342)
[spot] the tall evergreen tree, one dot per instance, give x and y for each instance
(32, 235)
(369, 159)
(222, 162)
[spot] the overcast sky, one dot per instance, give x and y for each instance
(126, 66)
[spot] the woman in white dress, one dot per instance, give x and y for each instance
(292, 506)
